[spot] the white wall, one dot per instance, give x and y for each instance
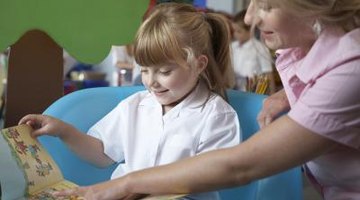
(229, 6)
(240, 5)
(221, 5)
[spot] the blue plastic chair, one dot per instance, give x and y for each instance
(283, 186)
(84, 107)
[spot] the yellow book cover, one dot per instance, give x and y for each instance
(27, 171)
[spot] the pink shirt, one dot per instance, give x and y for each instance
(323, 88)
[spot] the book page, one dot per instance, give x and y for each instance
(164, 197)
(46, 193)
(39, 168)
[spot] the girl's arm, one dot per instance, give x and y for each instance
(281, 145)
(85, 146)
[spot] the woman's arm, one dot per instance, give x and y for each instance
(281, 145)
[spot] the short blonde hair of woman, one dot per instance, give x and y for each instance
(179, 33)
(341, 13)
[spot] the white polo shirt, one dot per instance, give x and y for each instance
(137, 132)
(250, 59)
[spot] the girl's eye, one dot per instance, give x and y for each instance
(165, 72)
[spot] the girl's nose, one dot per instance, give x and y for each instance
(151, 80)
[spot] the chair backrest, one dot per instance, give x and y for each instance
(283, 186)
(84, 107)
(247, 106)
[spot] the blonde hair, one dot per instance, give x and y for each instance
(178, 32)
(342, 13)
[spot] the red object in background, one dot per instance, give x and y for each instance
(69, 86)
(151, 5)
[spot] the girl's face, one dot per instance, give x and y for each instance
(170, 83)
(279, 29)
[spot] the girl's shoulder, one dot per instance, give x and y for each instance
(216, 104)
(136, 98)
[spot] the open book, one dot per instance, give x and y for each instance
(26, 169)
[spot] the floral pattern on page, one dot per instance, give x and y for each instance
(39, 168)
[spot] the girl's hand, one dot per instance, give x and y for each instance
(43, 124)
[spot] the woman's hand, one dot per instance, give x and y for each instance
(113, 189)
(43, 124)
(273, 107)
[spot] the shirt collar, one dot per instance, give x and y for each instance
(285, 57)
(193, 102)
(320, 55)
(319, 59)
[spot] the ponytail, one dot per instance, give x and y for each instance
(219, 73)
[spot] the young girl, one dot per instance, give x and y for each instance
(183, 56)
(320, 68)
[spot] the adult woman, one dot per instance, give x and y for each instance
(319, 67)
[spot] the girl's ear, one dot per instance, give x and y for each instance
(202, 62)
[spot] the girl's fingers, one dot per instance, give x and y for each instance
(30, 119)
